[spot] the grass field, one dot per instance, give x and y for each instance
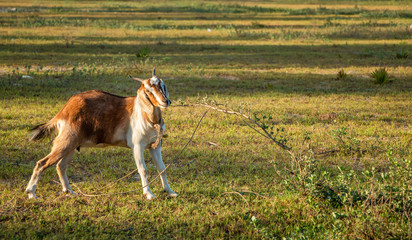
(351, 177)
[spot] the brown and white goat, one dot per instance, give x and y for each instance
(98, 119)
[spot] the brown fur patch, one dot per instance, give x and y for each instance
(96, 115)
(152, 98)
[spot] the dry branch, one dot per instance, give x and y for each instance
(237, 193)
(266, 134)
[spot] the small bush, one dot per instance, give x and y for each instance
(402, 54)
(380, 75)
(143, 53)
(341, 75)
(68, 40)
(257, 24)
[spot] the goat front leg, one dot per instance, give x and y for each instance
(157, 159)
(141, 167)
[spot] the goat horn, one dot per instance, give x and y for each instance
(136, 79)
(154, 72)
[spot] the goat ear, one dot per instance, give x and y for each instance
(154, 72)
(136, 79)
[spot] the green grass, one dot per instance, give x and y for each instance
(277, 62)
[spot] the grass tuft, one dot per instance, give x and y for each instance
(380, 75)
(143, 53)
(402, 54)
(341, 75)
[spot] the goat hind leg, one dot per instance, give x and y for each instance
(61, 171)
(57, 154)
(41, 165)
(38, 169)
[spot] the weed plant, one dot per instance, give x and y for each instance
(380, 75)
(143, 53)
(402, 54)
(341, 75)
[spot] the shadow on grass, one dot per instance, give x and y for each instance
(95, 19)
(241, 56)
(191, 84)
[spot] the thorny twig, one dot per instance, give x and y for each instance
(266, 134)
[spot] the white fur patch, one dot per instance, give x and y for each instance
(154, 80)
(60, 125)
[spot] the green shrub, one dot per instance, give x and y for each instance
(380, 75)
(341, 75)
(402, 54)
(143, 53)
(256, 24)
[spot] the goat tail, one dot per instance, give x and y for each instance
(42, 131)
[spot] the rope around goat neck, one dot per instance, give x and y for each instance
(159, 131)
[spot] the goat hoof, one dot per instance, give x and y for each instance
(70, 192)
(171, 194)
(149, 195)
(32, 196)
